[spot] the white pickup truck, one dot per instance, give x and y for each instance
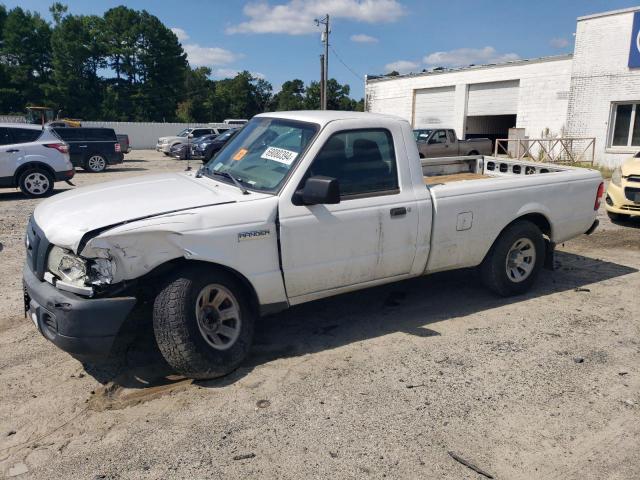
(297, 207)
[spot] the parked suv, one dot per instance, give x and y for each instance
(91, 148)
(32, 159)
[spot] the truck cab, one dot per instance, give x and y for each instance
(439, 142)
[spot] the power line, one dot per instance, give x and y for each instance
(359, 77)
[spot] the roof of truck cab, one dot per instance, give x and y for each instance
(323, 117)
(30, 126)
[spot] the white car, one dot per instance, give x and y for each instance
(297, 206)
(32, 159)
(165, 143)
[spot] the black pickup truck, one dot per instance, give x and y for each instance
(91, 148)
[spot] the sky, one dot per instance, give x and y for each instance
(278, 40)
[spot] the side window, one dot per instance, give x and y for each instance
(452, 136)
(363, 162)
(24, 135)
(68, 134)
(5, 138)
(199, 133)
(439, 137)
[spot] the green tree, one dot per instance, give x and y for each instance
(290, 96)
(25, 54)
(337, 96)
(78, 53)
(199, 92)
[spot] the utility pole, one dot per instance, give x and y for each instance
(325, 39)
(322, 92)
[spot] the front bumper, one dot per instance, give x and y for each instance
(163, 147)
(84, 327)
(617, 202)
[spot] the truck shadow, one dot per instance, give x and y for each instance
(409, 306)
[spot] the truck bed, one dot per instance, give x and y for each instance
(453, 177)
(439, 171)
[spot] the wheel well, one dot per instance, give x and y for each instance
(537, 219)
(421, 156)
(29, 165)
(172, 265)
(473, 152)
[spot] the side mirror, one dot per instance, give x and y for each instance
(318, 190)
(190, 135)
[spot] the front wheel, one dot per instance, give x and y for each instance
(515, 259)
(36, 182)
(203, 322)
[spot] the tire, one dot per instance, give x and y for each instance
(36, 182)
(198, 349)
(516, 277)
(618, 217)
(95, 163)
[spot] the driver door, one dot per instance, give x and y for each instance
(368, 236)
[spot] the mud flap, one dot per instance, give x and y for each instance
(549, 255)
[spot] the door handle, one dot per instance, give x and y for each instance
(12, 150)
(398, 211)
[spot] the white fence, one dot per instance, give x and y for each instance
(141, 134)
(145, 134)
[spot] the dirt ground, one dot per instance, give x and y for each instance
(379, 383)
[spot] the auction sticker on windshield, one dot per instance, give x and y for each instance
(240, 154)
(279, 155)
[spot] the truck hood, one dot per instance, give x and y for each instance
(67, 217)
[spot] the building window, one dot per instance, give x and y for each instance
(626, 125)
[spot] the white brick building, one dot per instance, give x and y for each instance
(592, 93)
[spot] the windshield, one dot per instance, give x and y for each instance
(421, 134)
(184, 132)
(261, 155)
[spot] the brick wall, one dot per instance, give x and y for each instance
(600, 76)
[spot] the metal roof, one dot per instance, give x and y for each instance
(375, 78)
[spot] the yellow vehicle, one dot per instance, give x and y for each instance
(46, 115)
(623, 194)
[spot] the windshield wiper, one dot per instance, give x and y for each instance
(233, 179)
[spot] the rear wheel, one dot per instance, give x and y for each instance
(515, 259)
(203, 322)
(96, 163)
(473, 152)
(36, 182)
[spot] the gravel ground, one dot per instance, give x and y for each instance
(379, 383)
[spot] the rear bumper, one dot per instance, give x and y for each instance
(84, 327)
(115, 158)
(66, 175)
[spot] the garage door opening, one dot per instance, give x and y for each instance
(490, 126)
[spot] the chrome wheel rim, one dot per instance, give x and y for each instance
(97, 163)
(36, 183)
(218, 316)
(521, 260)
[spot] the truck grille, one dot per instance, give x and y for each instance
(37, 248)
